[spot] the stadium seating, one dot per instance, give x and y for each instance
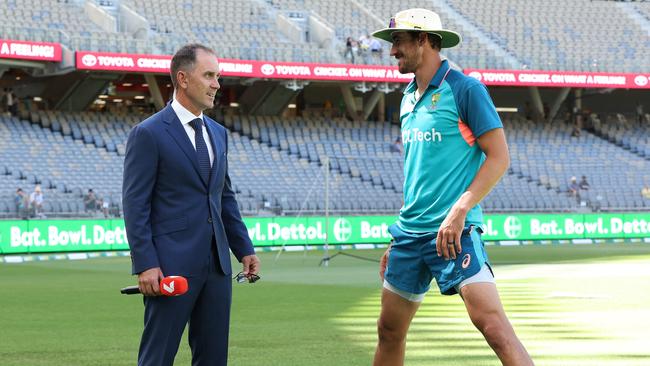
(364, 175)
(63, 21)
(549, 155)
(508, 34)
(277, 165)
(65, 166)
(626, 133)
(237, 29)
(579, 35)
(537, 181)
(473, 52)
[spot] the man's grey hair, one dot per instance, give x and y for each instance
(185, 58)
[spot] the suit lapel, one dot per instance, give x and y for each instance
(177, 132)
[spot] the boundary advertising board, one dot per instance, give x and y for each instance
(48, 236)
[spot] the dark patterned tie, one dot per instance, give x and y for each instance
(201, 149)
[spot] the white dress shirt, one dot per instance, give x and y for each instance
(186, 117)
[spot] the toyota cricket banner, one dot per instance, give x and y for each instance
(561, 79)
(104, 61)
(107, 61)
(27, 50)
(123, 62)
(42, 236)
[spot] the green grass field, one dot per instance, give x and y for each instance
(570, 305)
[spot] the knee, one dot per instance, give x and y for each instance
(495, 329)
(389, 333)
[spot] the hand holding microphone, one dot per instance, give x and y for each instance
(149, 281)
(169, 286)
(153, 283)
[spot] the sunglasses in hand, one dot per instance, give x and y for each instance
(250, 278)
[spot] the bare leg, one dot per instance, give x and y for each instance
(392, 326)
(486, 312)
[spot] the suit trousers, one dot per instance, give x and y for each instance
(206, 306)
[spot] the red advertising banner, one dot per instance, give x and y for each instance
(103, 61)
(244, 68)
(27, 50)
(106, 61)
(310, 71)
(561, 79)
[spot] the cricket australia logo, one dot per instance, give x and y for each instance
(435, 98)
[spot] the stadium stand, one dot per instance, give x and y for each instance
(626, 133)
(496, 34)
(474, 51)
(66, 165)
(361, 151)
(363, 174)
(549, 155)
(66, 22)
(276, 165)
(564, 38)
(245, 29)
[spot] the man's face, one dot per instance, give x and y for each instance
(202, 82)
(407, 50)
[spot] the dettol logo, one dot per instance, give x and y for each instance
(512, 227)
(342, 230)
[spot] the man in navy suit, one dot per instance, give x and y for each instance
(182, 217)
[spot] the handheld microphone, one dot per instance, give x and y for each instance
(169, 286)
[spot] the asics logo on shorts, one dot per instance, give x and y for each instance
(467, 259)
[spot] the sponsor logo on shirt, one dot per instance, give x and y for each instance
(416, 135)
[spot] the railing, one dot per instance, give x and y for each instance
(34, 34)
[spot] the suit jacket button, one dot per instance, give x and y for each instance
(210, 219)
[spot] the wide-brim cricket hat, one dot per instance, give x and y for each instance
(419, 20)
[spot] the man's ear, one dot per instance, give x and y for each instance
(181, 78)
(422, 38)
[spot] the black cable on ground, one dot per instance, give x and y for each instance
(327, 259)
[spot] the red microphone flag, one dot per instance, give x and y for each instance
(173, 286)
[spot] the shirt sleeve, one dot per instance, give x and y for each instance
(477, 110)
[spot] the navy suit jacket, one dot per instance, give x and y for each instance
(171, 213)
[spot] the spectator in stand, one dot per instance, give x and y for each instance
(645, 192)
(396, 146)
(639, 113)
(349, 49)
(22, 203)
(103, 205)
(574, 188)
(584, 185)
(90, 201)
(375, 50)
(11, 102)
(327, 108)
(36, 202)
(114, 209)
(364, 47)
(342, 107)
